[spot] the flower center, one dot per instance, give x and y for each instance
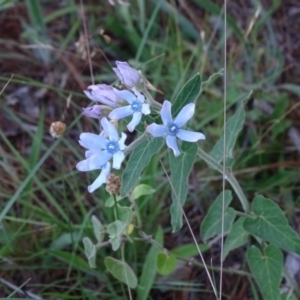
(173, 129)
(136, 106)
(112, 147)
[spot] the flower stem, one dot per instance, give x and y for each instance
(137, 211)
(153, 103)
(228, 176)
(115, 208)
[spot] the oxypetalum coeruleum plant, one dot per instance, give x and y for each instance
(163, 124)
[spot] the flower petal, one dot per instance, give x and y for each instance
(110, 130)
(172, 144)
(118, 158)
(102, 178)
(121, 141)
(140, 97)
(121, 112)
(94, 162)
(135, 121)
(157, 130)
(185, 114)
(146, 109)
(165, 113)
(91, 140)
(91, 152)
(190, 136)
(126, 95)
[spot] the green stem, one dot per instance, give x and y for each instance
(153, 103)
(137, 211)
(115, 208)
(123, 259)
(228, 176)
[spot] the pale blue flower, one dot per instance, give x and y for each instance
(136, 108)
(172, 129)
(101, 150)
(128, 76)
(101, 179)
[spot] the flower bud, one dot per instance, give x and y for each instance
(102, 93)
(94, 111)
(128, 76)
(113, 184)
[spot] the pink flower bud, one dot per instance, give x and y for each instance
(94, 111)
(102, 93)
(128, 76)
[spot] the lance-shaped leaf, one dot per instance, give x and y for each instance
(237, 237)
(138, 160)
(266, 268)
(212, 223)
(270, 224)
(188, 94)
(233, 126)
(181, 168)
(121, 271)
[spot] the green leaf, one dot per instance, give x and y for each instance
(90, 251)
(110, 202)
(115, 231)
(165, 263)
(149, 271)
(71, 259)
(270, 224)
(212, 78)
(188, 94)
(125, 214)
(121, 271)
(266, 268)
(138, 160)
(237, 237)
(290, 87)
(142, 190)
(233, 126)
(189, 250)
(287, 296)
(181, 168)
(212, 223)
(98, 229)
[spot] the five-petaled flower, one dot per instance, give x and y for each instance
(101, 150)
(172, 129)
(136, 108)
(102, 93)
(128, 75)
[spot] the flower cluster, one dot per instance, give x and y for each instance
(118, 104)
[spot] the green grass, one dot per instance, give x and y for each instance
(45, 208)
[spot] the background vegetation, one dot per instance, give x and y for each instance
(44, 203)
